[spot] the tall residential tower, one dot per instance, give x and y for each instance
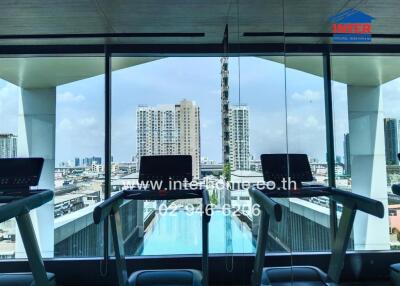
(225, 109)
(8, 146)
(239, 155)
(170, 130)
(347, 154)
(391, 141)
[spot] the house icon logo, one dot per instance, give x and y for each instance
(351, 26)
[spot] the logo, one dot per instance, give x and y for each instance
(351, 26)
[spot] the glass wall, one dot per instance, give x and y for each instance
(309, 226)
(366, 118)
(175, 105)
(79, 160)
(262, 95)
(160, 112)
(8, 149)
(53, 107)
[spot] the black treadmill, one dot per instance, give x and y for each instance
(16, 201)
(165, 169)
(395, 268)
(275, 168)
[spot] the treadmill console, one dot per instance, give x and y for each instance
(18, 174)
(165, 169)
(277, 167)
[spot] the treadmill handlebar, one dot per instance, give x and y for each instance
(358, 202)
(102, 211)
(160, 195)
(347, 198)
(272, 208)
(396, 189)
(25, 204)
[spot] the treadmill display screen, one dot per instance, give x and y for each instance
(275, 167)
(165, 169)
(20, 172)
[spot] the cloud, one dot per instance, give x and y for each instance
(65, 124)
(88, 121)
(87, 124)
(69, 97)
(291, 120)
(311, 122)
(307, 95)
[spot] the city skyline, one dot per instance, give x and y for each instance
(80, 106)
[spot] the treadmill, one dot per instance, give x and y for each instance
(16, 201)
(275, 168)
(395, 268)
(162, 169)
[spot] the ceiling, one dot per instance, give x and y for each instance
(350, 69)
(25, 18)
(44, 72)
(42, 17)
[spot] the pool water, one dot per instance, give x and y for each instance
(180, 233)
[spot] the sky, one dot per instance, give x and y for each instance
(281, 102)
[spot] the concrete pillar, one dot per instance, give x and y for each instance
(36, 138)
(368, 165)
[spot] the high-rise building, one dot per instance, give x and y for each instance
(8, 146)
(88, 161)
(225, 109)
(347, 158)
(239, 145)
(391, 141)
(96, 160)
(77, 162)
(170, 130)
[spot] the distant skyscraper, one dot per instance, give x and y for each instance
(239, 145)
(225, 110)
(96, 160)
(170, 130)
(90, 161)
(77, 162)
(391, 141)
(85, 162)
(8, 146)
(347, 158)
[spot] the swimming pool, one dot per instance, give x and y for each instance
(180, 233)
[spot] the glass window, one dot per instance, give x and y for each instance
(53, 107)
(8, 149)
(366, 118)
(166, 106)
(309, 217)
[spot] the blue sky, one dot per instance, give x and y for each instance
(261, 85)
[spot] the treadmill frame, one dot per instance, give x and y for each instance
(19, 207)
(351, 204)
(110, 208)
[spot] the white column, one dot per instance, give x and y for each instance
(36, 138)
(368, 165)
